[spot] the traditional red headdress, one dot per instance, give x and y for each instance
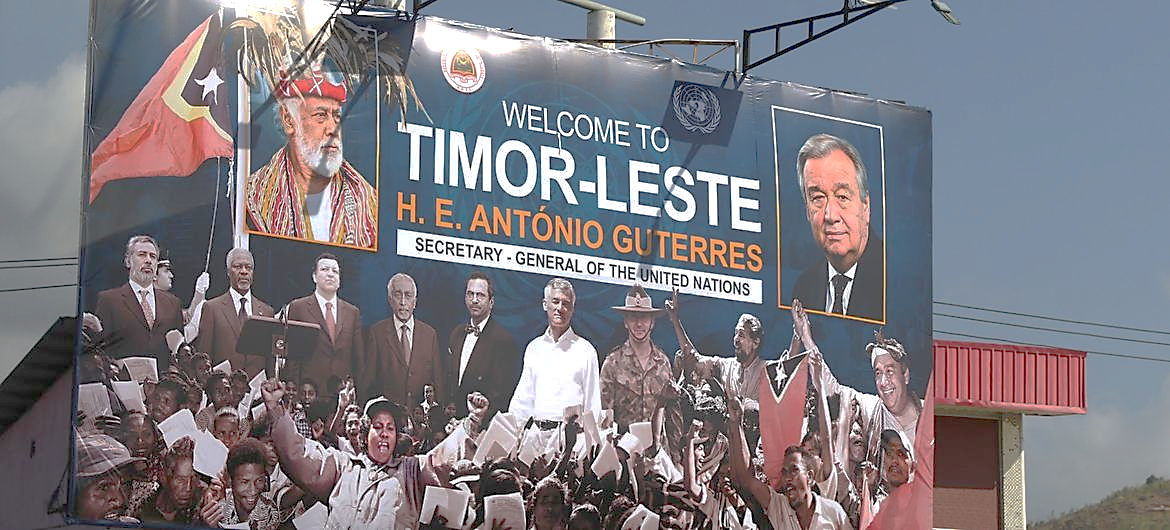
(313, 83)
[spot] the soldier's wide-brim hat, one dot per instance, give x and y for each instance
(637, 301)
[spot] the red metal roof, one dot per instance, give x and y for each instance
(1008, 377)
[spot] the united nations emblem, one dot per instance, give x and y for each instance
(463, 68)
(696, 107)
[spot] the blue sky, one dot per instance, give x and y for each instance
(1049, 193)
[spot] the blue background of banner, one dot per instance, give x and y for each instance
(559, 76)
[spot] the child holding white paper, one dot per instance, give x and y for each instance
(247, 498)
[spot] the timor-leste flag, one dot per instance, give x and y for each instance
(781, 417)
(911, 505)
(175, 122)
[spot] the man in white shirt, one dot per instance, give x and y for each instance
(560, 367)
(795, 506)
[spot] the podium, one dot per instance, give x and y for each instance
(278, 340)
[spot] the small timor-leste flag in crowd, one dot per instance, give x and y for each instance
(174, 123)
(780, 422)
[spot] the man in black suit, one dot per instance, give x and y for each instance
(135, 317)
(402, 353)
(339, 346)
(836, 198)
(223, 317)
(482, 356)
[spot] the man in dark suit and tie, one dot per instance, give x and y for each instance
(136, 317)
(482, 356)
(402, 353)
(339, 345)
(224, 316)
(836, 197)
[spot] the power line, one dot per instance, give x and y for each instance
(1040, 328)
(37, 288)
(1057, 319)
(37, 259)
(1091, 352)
(37, 266)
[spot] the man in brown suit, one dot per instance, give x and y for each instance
(402, 354)
(136, 317)
(339, 346)
(224, 316)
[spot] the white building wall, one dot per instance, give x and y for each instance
(34, 457)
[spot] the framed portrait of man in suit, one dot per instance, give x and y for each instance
(831, 176)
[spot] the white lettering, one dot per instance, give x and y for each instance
(505, 183)
(560, 176)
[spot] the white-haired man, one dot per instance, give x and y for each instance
(308, 190)
(402, 352)
(835, 189)
(560, 367)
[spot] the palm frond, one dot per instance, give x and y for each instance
(276, 46)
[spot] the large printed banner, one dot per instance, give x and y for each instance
(586, 283)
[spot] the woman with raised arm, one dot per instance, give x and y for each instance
(375, 489)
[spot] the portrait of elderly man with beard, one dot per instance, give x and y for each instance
(307, 190)
(835, 189)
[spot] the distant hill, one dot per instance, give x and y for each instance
(1135, 507)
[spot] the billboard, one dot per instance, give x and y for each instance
(621, 272)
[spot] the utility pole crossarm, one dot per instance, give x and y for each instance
(601, 21)
(848, 13)
(617, 13)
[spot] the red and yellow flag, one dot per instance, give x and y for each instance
(173, 125)
(781, 418)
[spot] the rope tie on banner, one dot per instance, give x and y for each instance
(214, 212)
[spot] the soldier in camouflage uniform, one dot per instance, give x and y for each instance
(637, 378)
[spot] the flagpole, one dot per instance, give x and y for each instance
(243, 147)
